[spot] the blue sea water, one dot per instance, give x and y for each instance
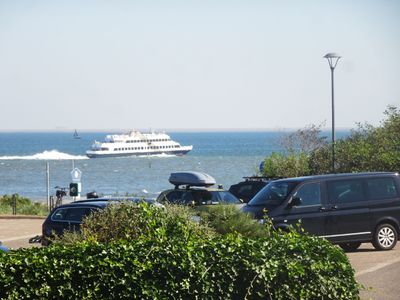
(227, 156)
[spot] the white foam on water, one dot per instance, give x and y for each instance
(158, 155)
(46, 155)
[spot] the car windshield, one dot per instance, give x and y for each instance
(227, 197)
(273, 194)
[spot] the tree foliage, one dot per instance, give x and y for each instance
(367, 148)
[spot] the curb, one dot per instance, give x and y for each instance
(21, 217)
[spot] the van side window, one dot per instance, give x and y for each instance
(344, 191)
(310, 194)
(381, 188)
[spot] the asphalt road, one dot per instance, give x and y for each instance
(377, 271)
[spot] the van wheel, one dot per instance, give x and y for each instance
(385, 237)
(350, 247)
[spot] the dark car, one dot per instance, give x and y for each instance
(195, 188)
(247, 189)
(347, 209)
(68, 217)
(198, 196)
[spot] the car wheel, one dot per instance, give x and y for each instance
(385, 237)
(350, 247)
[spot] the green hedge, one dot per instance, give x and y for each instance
(230, 267)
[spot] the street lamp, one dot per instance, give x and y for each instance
(333, 59)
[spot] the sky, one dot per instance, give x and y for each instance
(210, 65)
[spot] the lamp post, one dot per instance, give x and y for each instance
(333, 59)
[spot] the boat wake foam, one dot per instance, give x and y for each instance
(157, 155)
(46, 155)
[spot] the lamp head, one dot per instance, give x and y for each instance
(332, 58)
(332, 55)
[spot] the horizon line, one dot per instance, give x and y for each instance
(122, 130)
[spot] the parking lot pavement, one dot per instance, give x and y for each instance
(378, 271)
(16, 232)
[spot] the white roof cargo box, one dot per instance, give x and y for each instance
(191, 178)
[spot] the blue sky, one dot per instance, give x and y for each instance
(195, 64)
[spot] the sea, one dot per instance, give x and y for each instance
(227, 156)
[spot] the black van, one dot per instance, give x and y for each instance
(347, 209)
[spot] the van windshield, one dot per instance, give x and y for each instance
(273, 194)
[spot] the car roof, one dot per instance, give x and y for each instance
(197, 188)
(99, 203)
(335, 176)
(117, 199)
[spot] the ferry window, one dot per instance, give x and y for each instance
(381, 188)
(344, 191)
(115, 149)
(310, 194)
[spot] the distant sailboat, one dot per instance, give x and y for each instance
(76, 135)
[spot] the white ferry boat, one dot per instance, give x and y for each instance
(137, 143)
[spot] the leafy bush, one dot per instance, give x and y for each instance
(366, 149)
(130, 221)
(24, 206)
(169, 258)
(226, 219)
(286, 165)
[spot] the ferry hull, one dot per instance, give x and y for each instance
(93, 154)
